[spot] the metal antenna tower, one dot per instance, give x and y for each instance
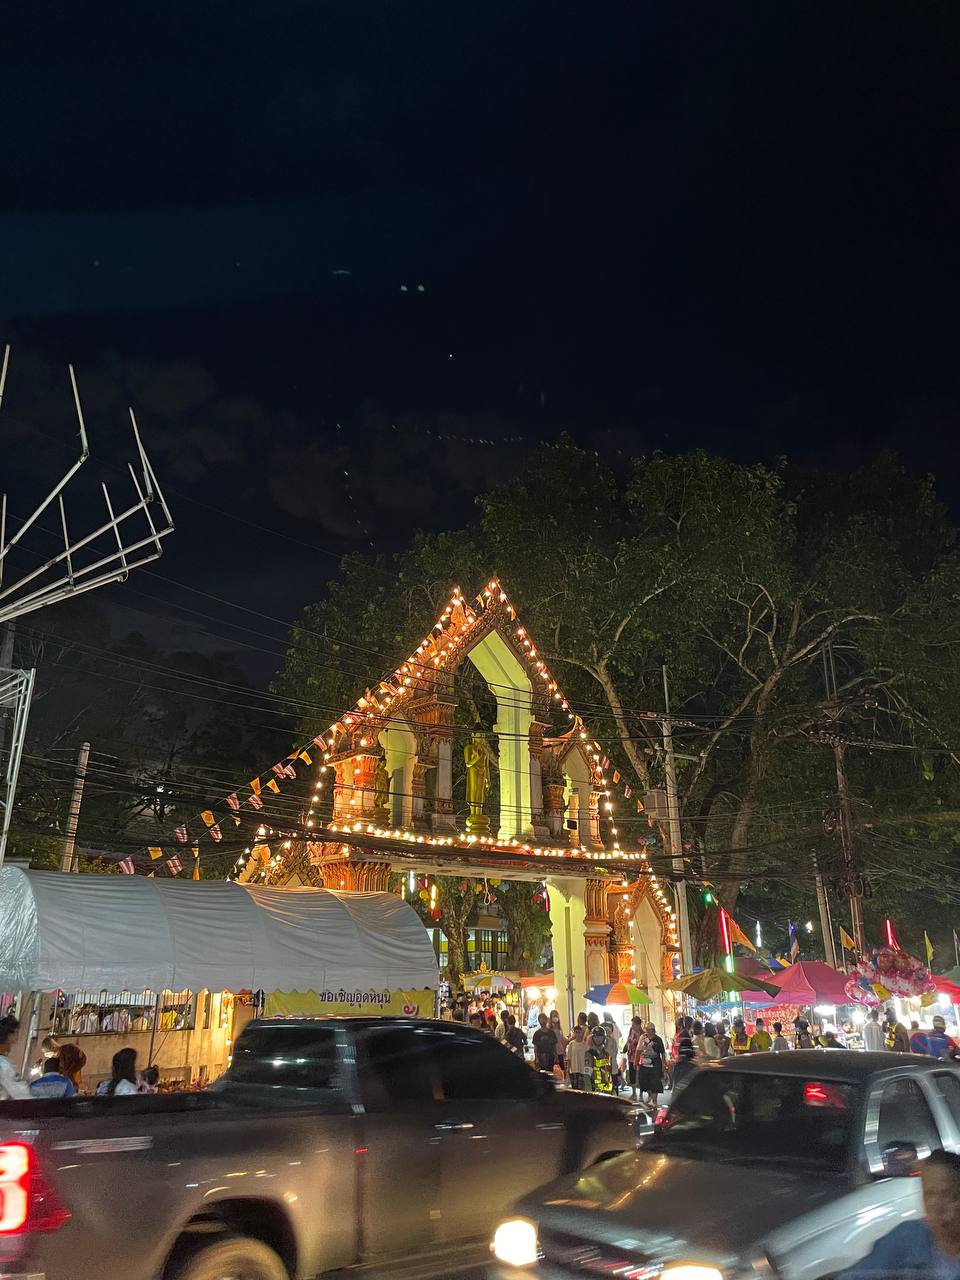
(80, 567)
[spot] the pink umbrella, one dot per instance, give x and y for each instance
(810, 982)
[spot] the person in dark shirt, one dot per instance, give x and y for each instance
(516, 1039)
(929, 1249)
(545, 1045)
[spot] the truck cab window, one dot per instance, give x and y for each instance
(474, 1068)
(293, 1056)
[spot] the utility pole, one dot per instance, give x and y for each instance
(826, 922)
(853, 879)
(73, 817)
(676, 839)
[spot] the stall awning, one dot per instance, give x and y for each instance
(89, 933)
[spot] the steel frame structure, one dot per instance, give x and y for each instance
(76, 569)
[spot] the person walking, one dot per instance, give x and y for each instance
(599, 1066)
(711, 1050)
(723, 1040)
(560, 1038)
(780, 1042)
(739, 1040)
(52, 1083)
(760, 1041)
(685, 1065)
(698, 1038)
(612, 1032)
(123, 1075)
(637, 1033)
(897, 1037)
(545, 1045)
(804, 1039)
(577, 1058)
(516, 1040)
(874, 1040)
(503, 1026)
(651, 1060)
(11, 1086)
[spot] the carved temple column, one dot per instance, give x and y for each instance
(596, 931)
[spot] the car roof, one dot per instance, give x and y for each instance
(839, 1064)
(361, 1021)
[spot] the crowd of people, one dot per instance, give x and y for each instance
(61, 1071)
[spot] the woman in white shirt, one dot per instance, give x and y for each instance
(123, 1076)
(11, 1086)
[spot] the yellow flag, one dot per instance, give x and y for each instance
(154, 852)
(208, 817)
(273, 785)
(929, 946)
(254, 785)
(737, 934)
(846, 941)
(305, 756)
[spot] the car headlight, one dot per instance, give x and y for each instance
(690, 1271)
(515, 1243)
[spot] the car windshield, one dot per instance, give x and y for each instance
(742, 1115)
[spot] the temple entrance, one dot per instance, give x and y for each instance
(467, 764)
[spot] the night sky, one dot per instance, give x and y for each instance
(331, 252)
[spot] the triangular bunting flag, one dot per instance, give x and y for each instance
(627, 792)
(254, 785)
(305, 757)
(254, 801)
(233, 801)
(289, 771)
(616, 775)
(278, 769)
(174, 865)
(126, 866)
(273, 786)
(208, 817)
(216, 835)
(181, 834)
(154, 852)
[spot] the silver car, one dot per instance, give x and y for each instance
(776, 1165)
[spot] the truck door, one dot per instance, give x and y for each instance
(502, 1133)
(399, 1165)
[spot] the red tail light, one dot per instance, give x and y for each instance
(27, 1201)
(663, 1118)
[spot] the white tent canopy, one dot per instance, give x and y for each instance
(131, 933)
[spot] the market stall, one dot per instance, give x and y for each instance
(111, 939)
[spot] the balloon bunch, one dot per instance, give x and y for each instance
(886, 972)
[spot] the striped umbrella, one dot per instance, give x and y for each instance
(617, 993)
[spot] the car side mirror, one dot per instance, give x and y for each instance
(900, 1160)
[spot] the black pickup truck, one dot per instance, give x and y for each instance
(385, 1146)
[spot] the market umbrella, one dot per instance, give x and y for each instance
(713, 982)
(487, 981)
(949, 987)
(617, 993)
(811, 982)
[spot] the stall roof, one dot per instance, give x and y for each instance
(133, 933)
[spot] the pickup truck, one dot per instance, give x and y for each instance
(384, 1146)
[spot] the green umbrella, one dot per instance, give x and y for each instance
(713, 982)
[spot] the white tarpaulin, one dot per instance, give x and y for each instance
(131, 933)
